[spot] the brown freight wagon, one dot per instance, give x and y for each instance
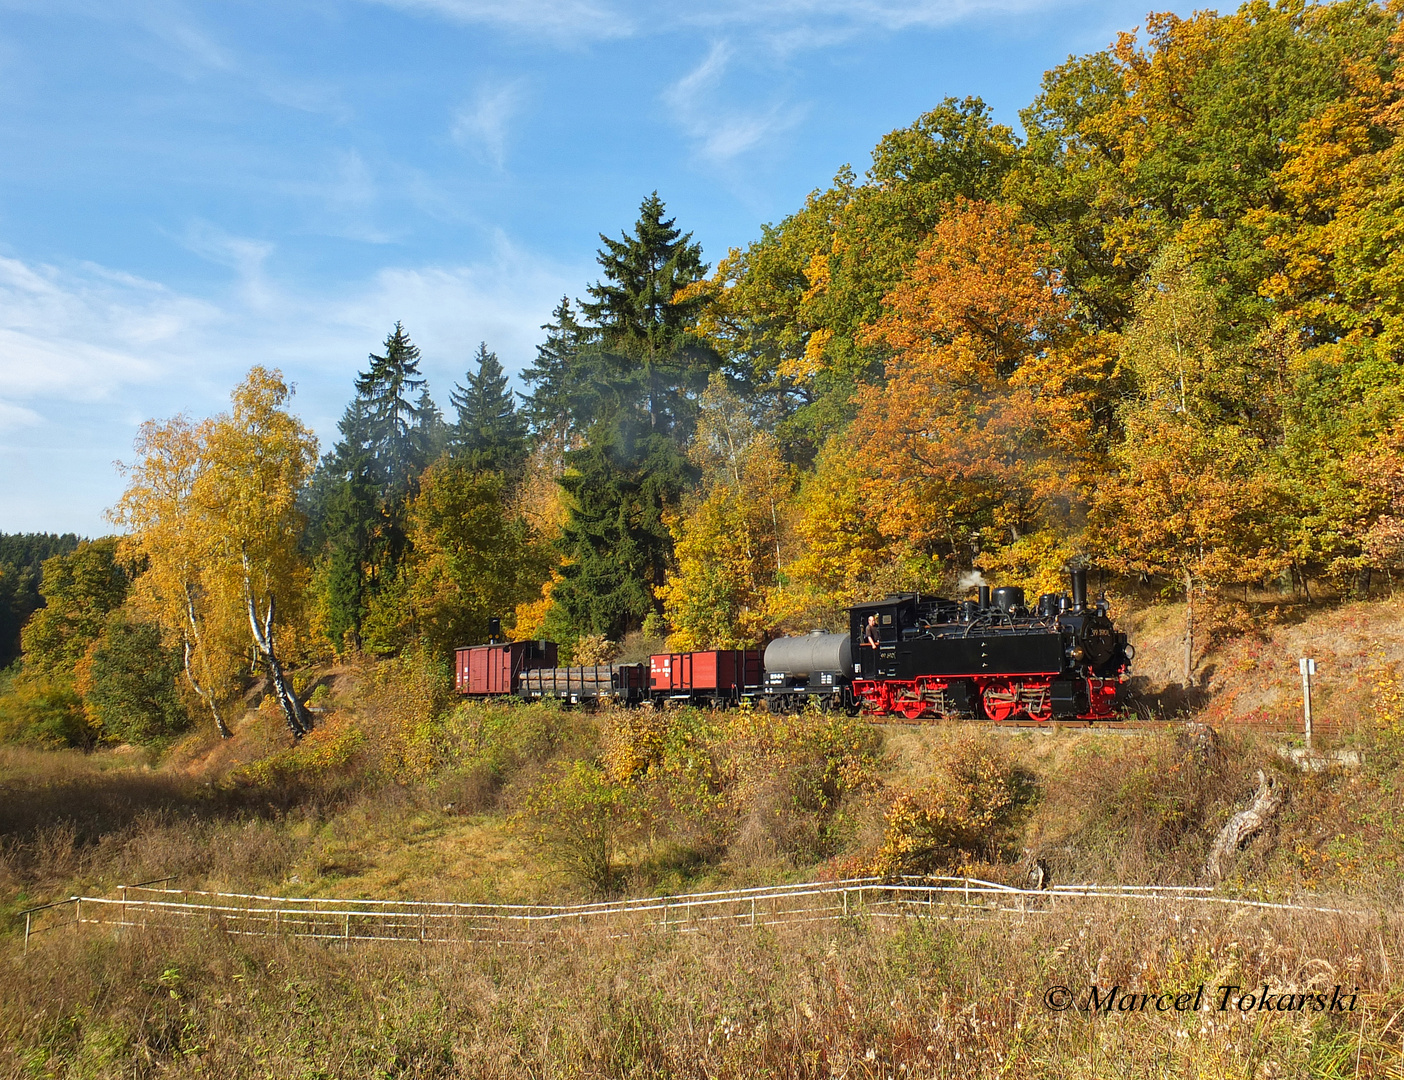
(497, 669)
(720, 676)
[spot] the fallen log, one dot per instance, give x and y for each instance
(1244, 825)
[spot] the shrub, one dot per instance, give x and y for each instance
(972, 809)
(581, 818)
(128, 683)
(790, 776)
(594, 649)
(44, 710)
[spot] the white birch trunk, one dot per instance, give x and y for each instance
(298, 718)
(192, 634)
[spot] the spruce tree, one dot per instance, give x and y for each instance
(617, 543)
(640, 317)
(356, 505)
(558, 401)
(431, 434)
(393, 421)
(489, 432)
(635, 381)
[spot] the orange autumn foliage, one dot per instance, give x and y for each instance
(986, 415)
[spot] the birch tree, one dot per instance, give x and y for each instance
(212, 512)
(167, 535)
(258, 456)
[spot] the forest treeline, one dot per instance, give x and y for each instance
(1160, 332)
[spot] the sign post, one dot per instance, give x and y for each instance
(1308, 669)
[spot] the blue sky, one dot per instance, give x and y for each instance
(188, 189)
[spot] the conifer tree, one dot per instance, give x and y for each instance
(616, 538)
(489, 432)
(638, 379)
(356, 506)
(640, 316)
(555, 403)
(392, 421)
(431, 434)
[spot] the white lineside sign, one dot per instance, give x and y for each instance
(1308, 669)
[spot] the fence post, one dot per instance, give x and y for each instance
(753, 911)
(27, 918)
(122, 923)
(346, 935)
(845, 901)
(77, 911)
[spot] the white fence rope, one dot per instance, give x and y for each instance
(347, 920)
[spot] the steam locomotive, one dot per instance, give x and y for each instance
(909, 655)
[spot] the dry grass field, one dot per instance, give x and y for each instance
(401, 793)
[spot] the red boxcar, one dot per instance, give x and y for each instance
(496, 669)
(727, 674)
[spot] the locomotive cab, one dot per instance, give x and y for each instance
(875, 629)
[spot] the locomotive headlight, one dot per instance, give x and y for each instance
(1077, 653)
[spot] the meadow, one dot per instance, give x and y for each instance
(403, 792)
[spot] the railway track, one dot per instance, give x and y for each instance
(1128, 726)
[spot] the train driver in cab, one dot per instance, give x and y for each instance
(870, 632)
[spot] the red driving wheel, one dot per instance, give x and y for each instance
(999, 702)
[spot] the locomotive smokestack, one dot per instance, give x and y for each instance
(984, 598)
(1079, 589)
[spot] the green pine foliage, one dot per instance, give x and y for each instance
(641, 371)
(396, 424)
(553, 408)
(21, 559)
(488, 433)
(616, 540)
(643, 322)
(359, 498)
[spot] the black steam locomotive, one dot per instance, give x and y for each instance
(921, 656)
(910, 655)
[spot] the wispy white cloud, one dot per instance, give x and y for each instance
(787, 23)
(719, 132)
(17, 416)
(567, 22)
(88, 341)
(173, 36)
(484, 123)
(502, 299)
(243, 255)
(81, 334)
(884, 14)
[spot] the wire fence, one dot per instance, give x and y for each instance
(147, 907)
